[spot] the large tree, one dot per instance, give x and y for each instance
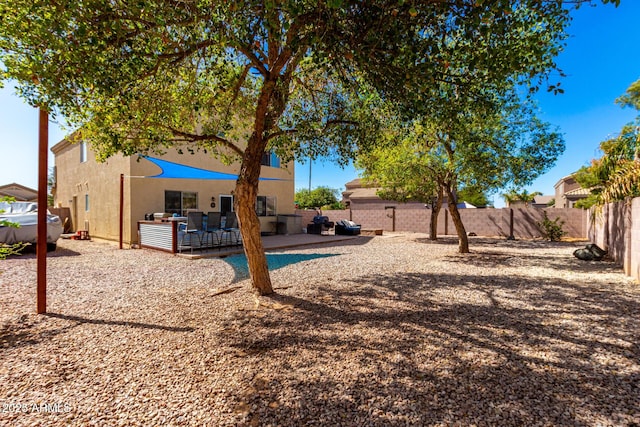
(479, 197)
(240, 78)
(464, 144)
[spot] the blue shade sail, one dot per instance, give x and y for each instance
(176, 170)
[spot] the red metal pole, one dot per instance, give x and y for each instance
(121, 206)
(41, 244)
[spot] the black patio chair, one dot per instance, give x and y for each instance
(194, 228)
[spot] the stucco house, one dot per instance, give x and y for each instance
(358, 196)
(19, 192)
(568, 192)
(91, 190)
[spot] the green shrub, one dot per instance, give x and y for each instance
(551, 230)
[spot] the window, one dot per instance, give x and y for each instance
(270, 158)
(86, 203)
(266, 206)
(177, 202)
(83, 152)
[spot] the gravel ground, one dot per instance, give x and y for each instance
(380, 331)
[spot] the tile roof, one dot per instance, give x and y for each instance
(578, 192)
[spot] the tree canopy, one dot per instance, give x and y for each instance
(522, 195)
(478, 197)
(239, 78)
(463, 144)
(319, 197)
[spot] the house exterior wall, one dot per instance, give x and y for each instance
(96, 183)
(101, 181)
(634, 246)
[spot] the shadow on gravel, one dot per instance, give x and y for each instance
(446, 349)
(22, 333)
(566, 263)
(476, 243)
(30, 253)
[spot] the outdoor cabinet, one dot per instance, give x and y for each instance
(289, 224)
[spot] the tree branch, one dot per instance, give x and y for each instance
(238, 86)
(329, 123)
(246, 51)
(190, 137)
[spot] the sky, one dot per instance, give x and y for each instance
(601, 60)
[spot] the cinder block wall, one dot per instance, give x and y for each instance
(483, 222)
(616, 228)
(369, 219)
(634, 249)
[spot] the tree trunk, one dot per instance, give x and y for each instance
(270, 106)
(245, 198)
(247, 192)
(435, 211)
(463, 240)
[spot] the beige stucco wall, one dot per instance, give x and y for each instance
(100, 181)
(146, 195)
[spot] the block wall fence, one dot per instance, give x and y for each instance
(616, 228)
(483, 222)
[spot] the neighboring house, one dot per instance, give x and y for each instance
(568, 192)
(358, 196)
(541, 202)
(92, 190)
(19, 192)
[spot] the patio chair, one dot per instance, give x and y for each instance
(231, 229)
(347, 228)
(214, 228)
(194, 228)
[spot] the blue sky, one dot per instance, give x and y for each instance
(601, 60)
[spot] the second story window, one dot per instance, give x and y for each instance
(270, 158)
(83, 152)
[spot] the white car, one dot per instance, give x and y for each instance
(26, 215)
